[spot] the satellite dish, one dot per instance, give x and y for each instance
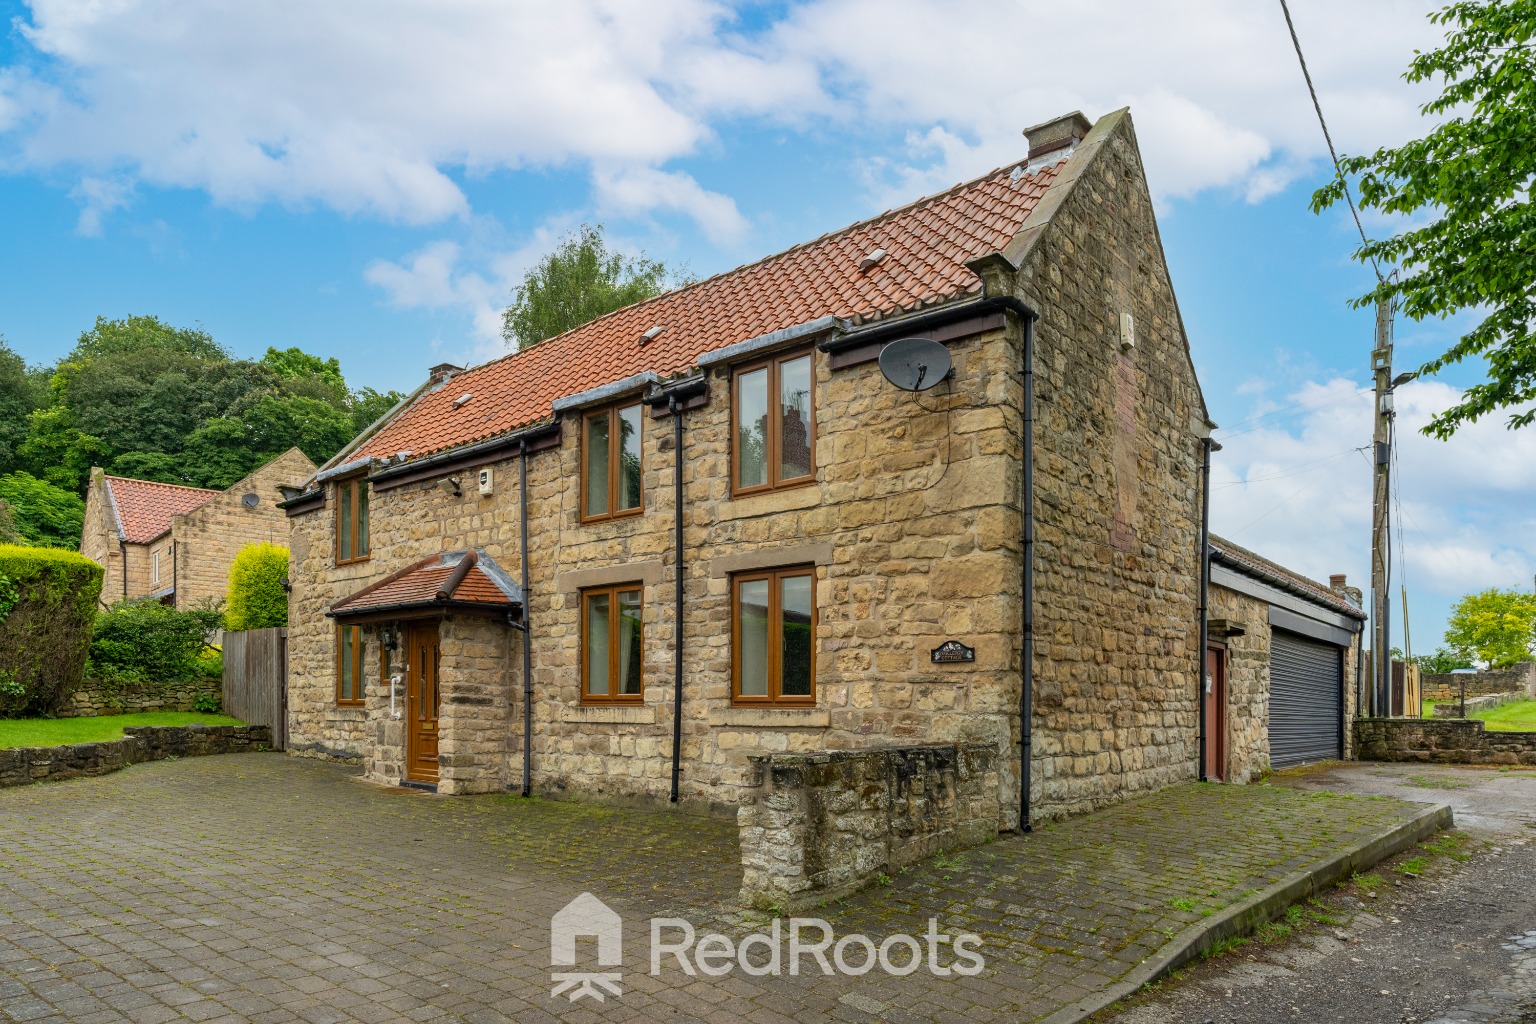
(250, 500)
(914, 364)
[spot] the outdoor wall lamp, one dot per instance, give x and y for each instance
(450, 486)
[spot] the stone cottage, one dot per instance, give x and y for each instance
(708, 527)
(1283, 662)
(174, 543)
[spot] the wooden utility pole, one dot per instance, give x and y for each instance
(1381, 621)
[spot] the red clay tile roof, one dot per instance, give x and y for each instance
(417, 585)
(927, 247)
(1257, 565)
(144, 507)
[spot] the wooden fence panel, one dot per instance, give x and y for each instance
(256, 679)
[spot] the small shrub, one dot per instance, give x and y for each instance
(256, 596)
(207, 704)
(210, 663)
(147, 643)
(47, 602)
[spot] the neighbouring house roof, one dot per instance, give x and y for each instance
(1252, 564)
(926, 248)
(144, 508)
(441, 581)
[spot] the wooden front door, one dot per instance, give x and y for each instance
(422, 697)
(1216, 713)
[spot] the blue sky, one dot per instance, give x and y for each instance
(369, 179)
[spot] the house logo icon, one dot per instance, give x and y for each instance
(586, 916)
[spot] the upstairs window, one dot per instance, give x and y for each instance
(772, 425)
(610, 463)
(773, 637)
(349, 665)
(611, 645)
(351, 520)
(154, 568)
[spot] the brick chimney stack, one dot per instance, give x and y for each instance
(1058, 133)
(443, 371)
(1337, 582)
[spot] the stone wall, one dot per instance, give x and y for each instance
(99, 541)
(817, 826)
(206, 540)
(913, 531)
(20, 766)
(92, 699)
(1117, 490)
(1454, 708)
(1445, 686)
(1460, 741)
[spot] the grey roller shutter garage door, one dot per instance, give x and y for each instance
(1306, 693)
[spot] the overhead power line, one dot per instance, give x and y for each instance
(1327, 136)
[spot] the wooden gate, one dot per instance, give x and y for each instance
(256, 679)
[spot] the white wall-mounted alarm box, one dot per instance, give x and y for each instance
(487, 481)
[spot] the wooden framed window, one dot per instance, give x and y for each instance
(611, 463)
(349, 665)
(773, 419)
(351, 520)
(612, 645)
(154, 568)
(773, 637)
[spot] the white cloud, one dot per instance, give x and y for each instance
(1291, 487)
(375, 107)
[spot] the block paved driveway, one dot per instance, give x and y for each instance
(257, 887)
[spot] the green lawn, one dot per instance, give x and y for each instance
(54, 732)
(1517, 717)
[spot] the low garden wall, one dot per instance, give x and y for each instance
(23, 765)
(1453, 708)
(1458, 741)
(823, 824)
(93, 699)
(1443, 686)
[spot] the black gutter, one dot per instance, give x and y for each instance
(522, 489)
(677, 638)
(506, 443)
(905, 325)
(1206, 445)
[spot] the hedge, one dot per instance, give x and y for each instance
(47, 608)
(145, 643)
(256, 596)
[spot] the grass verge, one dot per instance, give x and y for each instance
(56, 732)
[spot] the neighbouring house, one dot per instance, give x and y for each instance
(742, 540)
(174, 543)
(1282, 665)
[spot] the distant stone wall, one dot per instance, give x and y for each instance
(1443, 686)
(24, 765)
(1453, 709)
(1461, 741)
(822, 824)
(92, 699)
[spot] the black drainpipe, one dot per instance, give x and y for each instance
(677, 640)
(1027, 588)
(1206, 445)
(522, 493)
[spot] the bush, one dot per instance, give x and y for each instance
(147, 643)
(207, 704)
(256, 596)
(47, 603)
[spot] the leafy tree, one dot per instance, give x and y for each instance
(218, 453)
(59, 452)
(256, 596)
(167, 469)
(44, 515)
(9, 534)
(1470, 179)
(141, 333)
(1495, 627)
(368, 405)
(19, 395)
(279, 423)
(1441, 661)
(580, 281)
(145, 641)
(309, 376)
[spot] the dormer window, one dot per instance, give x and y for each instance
(611, 463)
(352, 520)
(772, 425)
